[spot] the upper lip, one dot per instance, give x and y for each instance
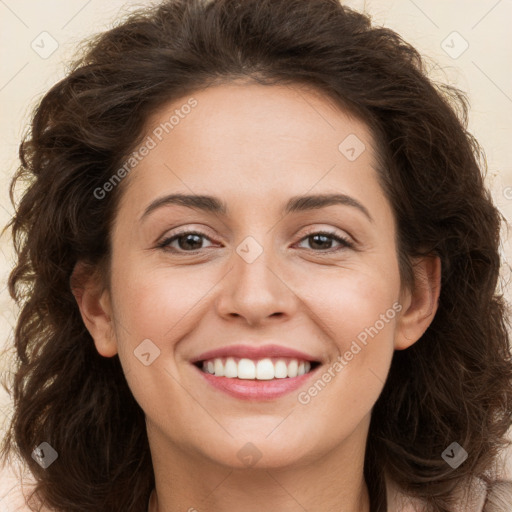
(255, 353)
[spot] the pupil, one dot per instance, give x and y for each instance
(191, 239)
(326, 239)
(188, 241)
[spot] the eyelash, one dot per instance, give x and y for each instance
(346, 244)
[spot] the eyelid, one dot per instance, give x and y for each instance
(346, 241)
(332, 232)
(189, 228)
(164, 242)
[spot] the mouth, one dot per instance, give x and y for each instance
(256, 373)
(263, 369)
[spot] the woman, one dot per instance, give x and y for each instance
(331, 339)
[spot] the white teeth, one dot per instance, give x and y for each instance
(265, 369)
(292, 368)
(230, 368)
(262, 369)
(246, 369)
(280, 370)
(218, 368)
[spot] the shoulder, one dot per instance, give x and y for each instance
(477, 496)
(486, 496)
(498, 497)
(16, 485)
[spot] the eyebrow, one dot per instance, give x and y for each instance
(295, 204)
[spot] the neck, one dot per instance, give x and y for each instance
(333, 482)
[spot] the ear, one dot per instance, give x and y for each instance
(419, 304)
(93, 300)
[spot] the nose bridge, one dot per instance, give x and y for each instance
(256, 265)
(256, 289)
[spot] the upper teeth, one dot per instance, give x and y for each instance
(263, 369)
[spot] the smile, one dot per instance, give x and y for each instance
(260, 369)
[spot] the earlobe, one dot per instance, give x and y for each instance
(93, 300)
(420, 303)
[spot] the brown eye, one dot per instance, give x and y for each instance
(322, 241)
(187, 241)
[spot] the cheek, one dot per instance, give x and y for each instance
(349, 301)
(165, 304)
(155, 308)
(156, 302)
(358, 313)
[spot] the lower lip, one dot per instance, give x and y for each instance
(247, 389)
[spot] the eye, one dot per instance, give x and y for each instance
(323, 240)
(191, 241)
(188, 241)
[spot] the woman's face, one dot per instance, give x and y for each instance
(256, 281)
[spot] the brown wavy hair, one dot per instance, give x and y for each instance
(454, 384)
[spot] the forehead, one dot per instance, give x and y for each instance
(251, 139)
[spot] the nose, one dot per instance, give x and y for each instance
(257, 291)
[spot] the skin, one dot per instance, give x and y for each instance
(254, 147)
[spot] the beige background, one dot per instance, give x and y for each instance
(30, 30)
